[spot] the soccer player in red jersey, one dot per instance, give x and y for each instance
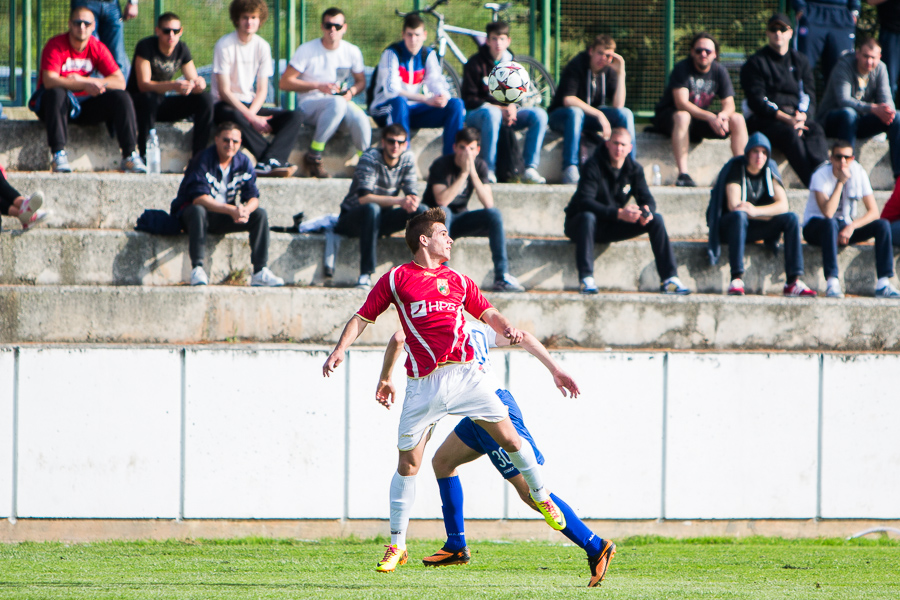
(443, 376)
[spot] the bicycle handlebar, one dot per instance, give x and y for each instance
(427, 9)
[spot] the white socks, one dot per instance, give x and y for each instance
(403, 495)
(527, 464)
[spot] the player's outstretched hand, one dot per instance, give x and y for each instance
(385, 393)
(334, 359)
(513, 335)
(564, 383)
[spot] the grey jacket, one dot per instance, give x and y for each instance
(843, 85)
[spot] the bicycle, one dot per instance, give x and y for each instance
(543, 85)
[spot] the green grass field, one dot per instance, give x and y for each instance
(643, 568)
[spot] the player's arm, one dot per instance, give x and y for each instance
(501, 325)
(535, 348)
(385, 393)
(354, 328)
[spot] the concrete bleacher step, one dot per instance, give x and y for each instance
(114, 201)
(23, 146)
(48, 257)
(182, 314)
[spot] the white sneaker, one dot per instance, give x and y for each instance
(888, 291)
(133, 164)
(531, 175)
(588, 286)
(266, 278)
(364, 282)
(198, 277)
(29, 209)
(60, 162)
(492, 177)
(571, 175)
(36, 218)
(833, 289)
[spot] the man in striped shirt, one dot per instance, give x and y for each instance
(443, 376)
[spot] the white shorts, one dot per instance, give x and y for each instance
(462, 389)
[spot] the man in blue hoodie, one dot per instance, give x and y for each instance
(207, 201)
(749, 204)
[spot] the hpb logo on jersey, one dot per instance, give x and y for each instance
(443, 286)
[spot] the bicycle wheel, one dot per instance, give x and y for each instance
(542, 83)
(454, 83)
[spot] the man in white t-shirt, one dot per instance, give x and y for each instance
(319, 72)
(242, 65)
(832, 218)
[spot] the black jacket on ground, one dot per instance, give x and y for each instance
(602, 193)
(772, 82)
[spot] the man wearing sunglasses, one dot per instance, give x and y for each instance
(156, 96)
(781, 99)
(110, 18)
(67, 92)
(382, 198)
(319, 73)
(684, 110)
(833, 219)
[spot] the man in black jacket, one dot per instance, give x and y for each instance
(780, 92)
(599, 212)
(590, 99)
(486, 114)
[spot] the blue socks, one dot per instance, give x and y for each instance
(454, 523)
(576, 530)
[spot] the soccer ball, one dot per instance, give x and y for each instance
(509, 82)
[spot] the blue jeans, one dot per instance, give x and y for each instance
(890, 56)
(422, 115)
(824, 232)
(847, 124)
(737, 229)
(572, 122)
(488, 119)
(895, 233)
(108, 18)
(479, 223)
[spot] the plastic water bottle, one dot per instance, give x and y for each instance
(153, 156)
(657, 175)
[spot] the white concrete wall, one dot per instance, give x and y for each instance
(257, 432)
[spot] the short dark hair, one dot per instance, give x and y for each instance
(498, 28)
(166, 17)
(244, 7)
(604, 41)
(226, 126)
(467, 135)
(77, 10)
(394, 129)
(869, 42)
(840, 144)
(332, 12)
(412, 22)
(705, 35)
(422, 224)
(620, 131)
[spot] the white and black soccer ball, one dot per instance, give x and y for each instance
(509, 82)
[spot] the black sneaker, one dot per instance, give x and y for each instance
(443, 558)
(599, 563)
(684, 180)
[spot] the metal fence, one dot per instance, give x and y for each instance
(651, 35)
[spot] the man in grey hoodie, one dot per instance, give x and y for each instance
(749, 204)
(858, 102)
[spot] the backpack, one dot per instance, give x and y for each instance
(159, 222)
(510, 164)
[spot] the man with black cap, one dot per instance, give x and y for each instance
(749, 204)
(780, 94)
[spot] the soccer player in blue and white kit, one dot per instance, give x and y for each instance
(468, 442)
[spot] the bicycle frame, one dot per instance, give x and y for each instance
(444, 41)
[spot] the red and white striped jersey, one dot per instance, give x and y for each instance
(430, 303)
